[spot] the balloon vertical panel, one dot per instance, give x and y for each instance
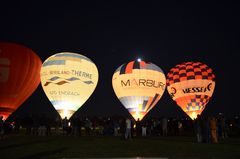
(19, 76)
(138, 86)
(68, 80)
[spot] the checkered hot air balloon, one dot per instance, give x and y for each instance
(139, 85)
(68, 80)
(191, 85)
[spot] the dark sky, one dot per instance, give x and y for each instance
(165, 33)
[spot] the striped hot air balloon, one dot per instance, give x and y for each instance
(191, 85)
(139, 85)
(68, 80)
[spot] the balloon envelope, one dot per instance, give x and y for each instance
(191, 85)
(139, 85)
(19, 76)
(68, 80)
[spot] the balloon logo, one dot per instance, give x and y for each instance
(191, 85)
(139, 85)
(19, 76)
(68, 80)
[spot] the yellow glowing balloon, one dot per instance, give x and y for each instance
(139, 85)
(191, 85)
(68, 80)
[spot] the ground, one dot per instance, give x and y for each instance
(22, 146)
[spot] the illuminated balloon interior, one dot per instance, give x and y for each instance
(191, 85)
(139, 85)
(68, 80)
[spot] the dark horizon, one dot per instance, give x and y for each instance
(111, 34)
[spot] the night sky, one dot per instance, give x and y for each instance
(111, 34)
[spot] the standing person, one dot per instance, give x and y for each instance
(132, 128)
(122, 128)
(88, 126)
(29, 124)
(74, 126)
(213, 129)
(223, 127)
(128, 129)
(180, 127)
(65, 126)
(144, 129)
(206, 130)
(198, 129)
(17, 125)
(138, 127)
(58, 124)
(1, 128)
(79, 125)
(115, 127)
(164, 126)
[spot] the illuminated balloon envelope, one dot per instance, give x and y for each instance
(68, 80)
(19, 76)
(139, 85)
(191, 85)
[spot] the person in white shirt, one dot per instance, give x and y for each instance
(128, 129)
(144, 129)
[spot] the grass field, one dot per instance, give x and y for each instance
(22, 146)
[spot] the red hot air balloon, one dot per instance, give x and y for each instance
(19, 76)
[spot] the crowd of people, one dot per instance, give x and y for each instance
(205, 129)
(210, 129)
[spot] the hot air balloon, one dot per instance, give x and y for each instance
(191, 85)
(139, 85)
(68, 80)
(19, 76)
